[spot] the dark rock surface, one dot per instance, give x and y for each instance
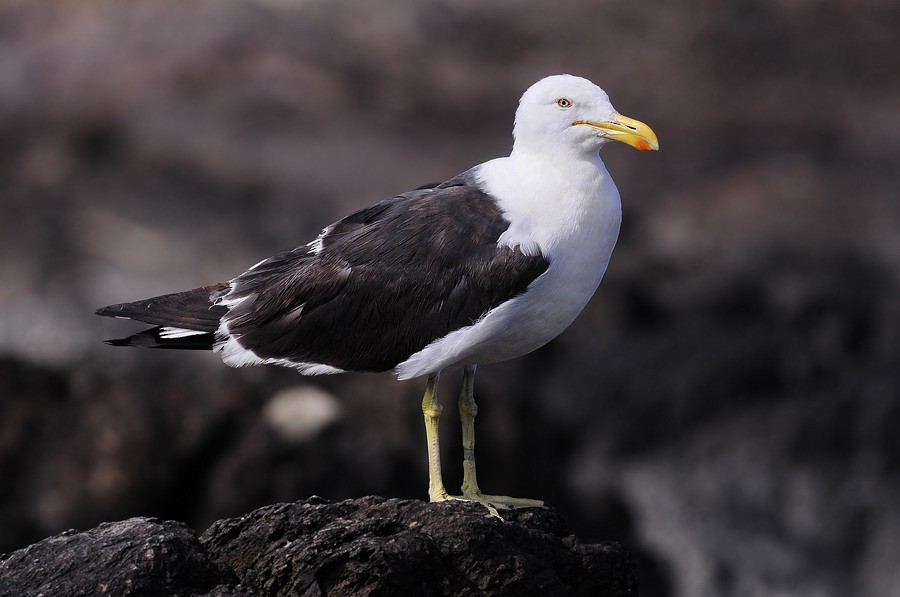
(368, 546)
(377, 546)
(138, 556)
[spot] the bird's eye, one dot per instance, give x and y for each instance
(564, 102)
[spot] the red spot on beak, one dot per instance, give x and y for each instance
(641, 145)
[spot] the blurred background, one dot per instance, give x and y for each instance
(727, 405)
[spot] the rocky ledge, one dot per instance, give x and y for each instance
(367, 546)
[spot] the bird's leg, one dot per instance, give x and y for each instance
(431, 408)
(467, 412)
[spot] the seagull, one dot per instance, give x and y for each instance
(484, 267)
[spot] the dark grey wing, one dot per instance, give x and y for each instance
(382, 283)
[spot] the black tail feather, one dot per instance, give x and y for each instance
(189, 310)
(151, 338)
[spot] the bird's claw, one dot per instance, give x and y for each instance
(493, 503)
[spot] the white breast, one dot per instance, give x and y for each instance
(571, 216)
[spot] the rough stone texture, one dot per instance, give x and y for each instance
(377, 546)
(138, 556)
(369, 546)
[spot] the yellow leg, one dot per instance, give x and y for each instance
(431, 409)
(467, 412)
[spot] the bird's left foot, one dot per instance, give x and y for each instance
(494, 503)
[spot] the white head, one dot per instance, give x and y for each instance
(568, 114)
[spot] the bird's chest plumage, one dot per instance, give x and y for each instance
(571, 219)
(574, 223)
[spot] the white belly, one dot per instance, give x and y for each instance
(520, 325)
(527, 322)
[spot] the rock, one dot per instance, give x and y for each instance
(138, 556)
(367, 546)
(378, 546)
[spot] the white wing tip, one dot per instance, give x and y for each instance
(171, 333)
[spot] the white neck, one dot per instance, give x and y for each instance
(553, 200)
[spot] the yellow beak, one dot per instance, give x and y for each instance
(627, 130)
